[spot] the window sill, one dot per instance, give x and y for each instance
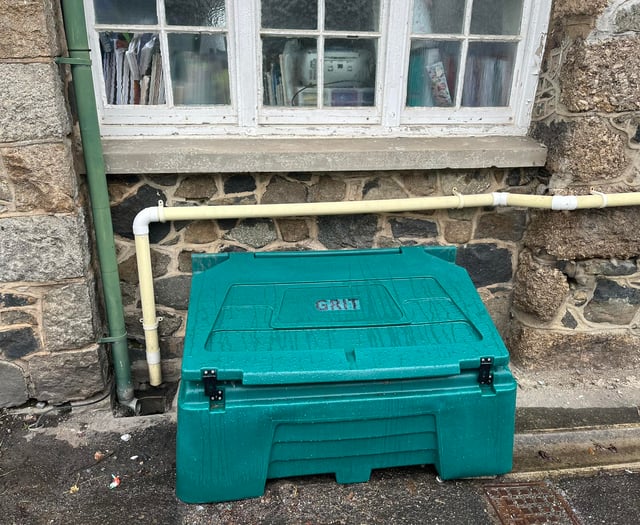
(235, 155)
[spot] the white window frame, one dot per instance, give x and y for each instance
(247, 117)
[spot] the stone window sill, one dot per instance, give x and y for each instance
(236, 155)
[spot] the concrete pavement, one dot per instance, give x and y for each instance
(571, 465)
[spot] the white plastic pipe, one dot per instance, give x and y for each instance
(164, 214)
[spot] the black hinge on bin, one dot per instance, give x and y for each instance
(210, 382)
(485, 376)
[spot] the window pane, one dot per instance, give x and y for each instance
(488, 74)
(196, 12)
(433, 69)
(125, 12)
(356, 15)
(496, 17)
(290, 14)
(132, 68)
(199, 69)
(289, 71)
(438, 16)
(349, 72)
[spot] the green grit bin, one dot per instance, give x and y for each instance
(338, 362)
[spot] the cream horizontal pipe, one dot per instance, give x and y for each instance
(395, 205)
(163, 214)
(571, 202)
(322, 208)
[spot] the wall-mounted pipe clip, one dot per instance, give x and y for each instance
(460, 198)
(151, 327)
(603, 196)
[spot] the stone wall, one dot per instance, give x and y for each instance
(488, 241)
(48, 317)
(577, 287)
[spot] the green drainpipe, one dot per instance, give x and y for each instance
(80, 62)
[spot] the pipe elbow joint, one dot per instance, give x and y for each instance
(144, 218)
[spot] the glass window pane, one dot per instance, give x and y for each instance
(433, 70)
(356, 15)
(199, 69)
(132, 68)
(349, 72)
(289, 71)
(290, 14)
(438, 16)
(496, 17)
(125, 12)
(196, 12)
(488, 74)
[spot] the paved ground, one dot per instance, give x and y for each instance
(56, 468)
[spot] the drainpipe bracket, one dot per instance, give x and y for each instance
(73, 61)
(113, 339)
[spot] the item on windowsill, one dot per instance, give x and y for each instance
(439, 85)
